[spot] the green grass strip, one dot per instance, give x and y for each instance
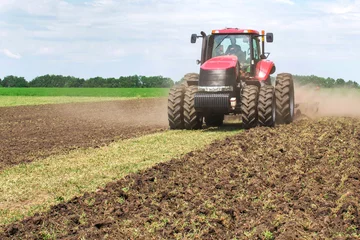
(12, 101)
(29, 188)
(86, 92)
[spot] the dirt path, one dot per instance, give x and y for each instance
(298, 180)
(31, 132)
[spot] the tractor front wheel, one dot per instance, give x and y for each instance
(192, 120)
(249, 103)
(267, 106)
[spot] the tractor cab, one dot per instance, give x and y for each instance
(247, 45)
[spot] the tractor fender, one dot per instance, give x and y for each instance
(263, 69)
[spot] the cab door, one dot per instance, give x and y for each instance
(255, 53)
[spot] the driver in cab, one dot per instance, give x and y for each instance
(235, 49)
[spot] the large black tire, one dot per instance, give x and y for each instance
(249, 103)
(214, 120)
(175, 107)
(267, 106)
(285, 98)
(192, 120)
(191, 79)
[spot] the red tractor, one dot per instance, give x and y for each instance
(234, 78)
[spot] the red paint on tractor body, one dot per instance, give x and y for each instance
(235, 31)
(220, 63)
(263, 69)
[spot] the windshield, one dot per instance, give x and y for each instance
(238, 45)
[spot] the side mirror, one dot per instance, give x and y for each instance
(193, 38)
(265, 55)
(269, 37)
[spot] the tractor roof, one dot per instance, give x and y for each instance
(234, 31)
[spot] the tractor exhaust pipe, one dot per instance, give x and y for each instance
(263, 42)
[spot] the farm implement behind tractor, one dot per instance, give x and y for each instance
(234, 78)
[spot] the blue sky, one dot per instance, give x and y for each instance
(111, 38)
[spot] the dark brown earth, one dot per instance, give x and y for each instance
(33, 132)
(297, 181)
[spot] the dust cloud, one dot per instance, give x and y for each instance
(150, 112)
(337, 102)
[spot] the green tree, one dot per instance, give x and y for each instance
(329, 82)
(13, 81)
(112, 83)
(340, 82)
(73, 82)
(60, 81)
(130, 81)
(156, 82)
(356, 85)
(324, 82)
(46, 81)
(96, 82)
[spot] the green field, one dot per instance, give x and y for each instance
(10, 97)
(86, 92)
(12, 101)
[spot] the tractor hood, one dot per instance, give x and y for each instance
(220, 63)
(219, 71)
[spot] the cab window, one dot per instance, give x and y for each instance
(231, 44)
(256, 49)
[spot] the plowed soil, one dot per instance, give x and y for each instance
(291, 182)
(32, 132)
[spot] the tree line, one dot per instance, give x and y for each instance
(325, 82)
(60, 81)
(145, 82)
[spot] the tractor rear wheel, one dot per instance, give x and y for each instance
(191, 79)
(284, 92)
(249, 103)
(175, 107)
(214, 120)
(192, 120)
(267, 106)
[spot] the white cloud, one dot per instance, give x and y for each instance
(6, 4)
(285, 1)
(101, 3)
(120, 52)
(46, 51)
(10, 54)
(338, 7)
(3, 34)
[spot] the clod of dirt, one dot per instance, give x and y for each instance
(12, 230)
